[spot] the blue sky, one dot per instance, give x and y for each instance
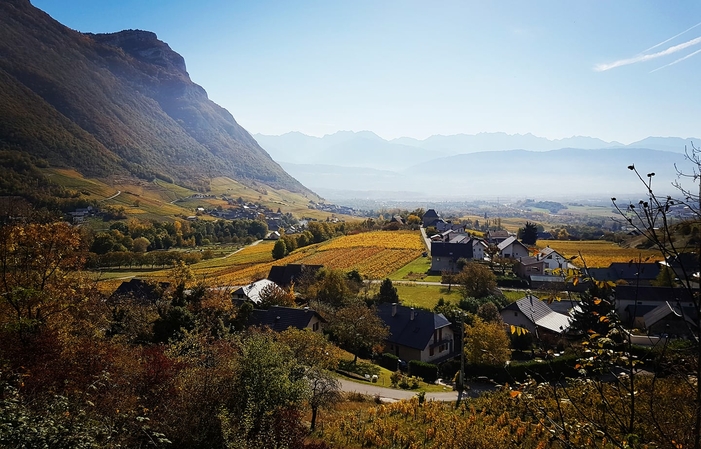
(402, 68)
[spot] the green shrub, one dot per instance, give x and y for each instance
(389, 361)
(426, 371)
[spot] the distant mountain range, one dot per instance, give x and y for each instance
(118, 104)
(491, 164)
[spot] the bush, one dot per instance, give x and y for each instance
(389, 361)
(507, 282)
(540, 370)
(427, 371)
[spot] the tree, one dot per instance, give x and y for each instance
(388, 292)
(311, 349)
(358, 327)
(332, 288)
(489, 313)
(140, 244)
(595, 312)
(476, 281)
(273, 295)
(279, 250)
(325, 390)
(486, 343)
(528, 234)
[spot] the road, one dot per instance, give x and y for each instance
(242, 248)
(475, 389)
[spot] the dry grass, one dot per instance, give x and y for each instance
(598, 253)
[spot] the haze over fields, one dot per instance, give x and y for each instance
(487, 165)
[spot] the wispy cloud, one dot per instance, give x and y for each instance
(670, 39)
(678, 60)
(647, 57)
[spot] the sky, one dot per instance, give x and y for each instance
(620, 70)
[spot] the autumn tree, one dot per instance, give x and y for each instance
(357, 327)
(324, 391)
(274, 295)
(486, 343)
(476, 281)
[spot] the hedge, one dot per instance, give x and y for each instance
(389, 361)
(427, 371)
(545, 370)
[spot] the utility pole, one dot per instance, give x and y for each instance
(461, 376)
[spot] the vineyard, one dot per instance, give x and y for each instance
(598, 253)
(374, 254)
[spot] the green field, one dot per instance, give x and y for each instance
(415, 271)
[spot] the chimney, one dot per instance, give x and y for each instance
(411, 314)
(394, 308)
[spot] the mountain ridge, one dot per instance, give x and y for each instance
(116, 104)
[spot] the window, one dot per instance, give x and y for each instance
(430, 352)
(315, 326)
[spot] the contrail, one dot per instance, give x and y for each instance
(671, 38)
(643, 58)
(678, 60)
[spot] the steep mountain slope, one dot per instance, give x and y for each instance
(115, 104)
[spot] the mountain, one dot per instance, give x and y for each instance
(118, 104)
(674, 144)
(567, 172)
(346, 149)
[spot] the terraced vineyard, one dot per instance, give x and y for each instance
(374, 254)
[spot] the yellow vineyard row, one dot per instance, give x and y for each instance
(598, 253)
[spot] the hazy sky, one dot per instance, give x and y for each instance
(618, 70)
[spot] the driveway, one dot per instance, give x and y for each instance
(475, 389)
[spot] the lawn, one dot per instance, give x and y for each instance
(426, 296)
(416, 270)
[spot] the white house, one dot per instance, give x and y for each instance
(252, 292)
(479, 249)
(511, 248)
(553, 260)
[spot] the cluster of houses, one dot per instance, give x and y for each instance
(333, 208)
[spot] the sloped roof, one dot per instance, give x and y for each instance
(540, 314)
(416, 333)
(140, 289)
(285, 275)
(530, 260)
(663, 311)
(454, 250)
(545, 252)
(431, 213)
(508, 242)
(648, 293)
(281, 318)
(252, 291)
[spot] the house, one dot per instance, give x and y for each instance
(442, 226)
(496, 237)
(529, 266)
(632, 273)
(430, 218)
(670, 319)
(479, 249)
(511, 248)
(553, 259)
(417, 334)
(279, 318)
(141, 290)
(286, 275)
(535, 315)
(275, 235)
(397, 219)
(252, 292)
(444, 255)
(633, 303)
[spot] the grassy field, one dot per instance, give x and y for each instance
(426, 296)
(597, 253)
(416, 270)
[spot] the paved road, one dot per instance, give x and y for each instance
(391, 393)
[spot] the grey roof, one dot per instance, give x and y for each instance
(540, 314)
(454, 250)
(281, 318)
(647, 293)
(530, 260)
(663, 311)
(416, 333)
(628, 271)
(252, 291)
(431, 213)
(508, 242)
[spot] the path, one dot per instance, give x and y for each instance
(113, 196)
(475, 389)
(242, 248)
(426, 240)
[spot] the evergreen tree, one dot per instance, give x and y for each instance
(528, 234)
(388, 292)
(594, 313)
(279, 250)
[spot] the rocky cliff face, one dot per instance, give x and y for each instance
(120, 103)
